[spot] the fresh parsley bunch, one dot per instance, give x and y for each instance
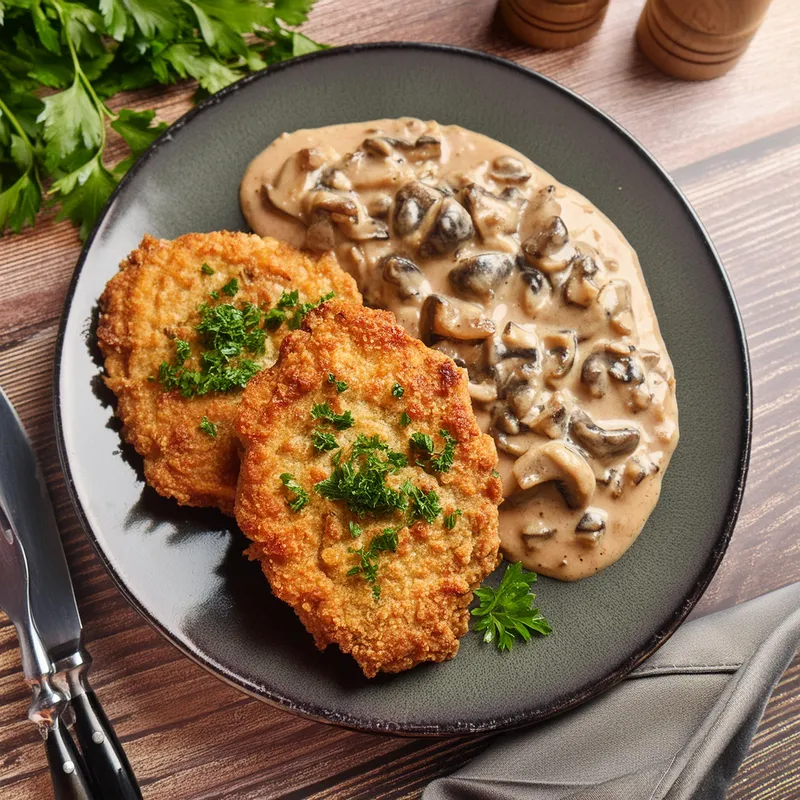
(61, 61)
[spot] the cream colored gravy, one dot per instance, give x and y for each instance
(525, 284)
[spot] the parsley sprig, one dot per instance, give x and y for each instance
(88, 52)
(385, 541)
(297, 497)
(507, 613)
(324, 412)
(428, 457)
(226, 332)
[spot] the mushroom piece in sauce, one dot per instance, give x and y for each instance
(549, 419)
(509, 170)
(591, 525)
(411, 204)
(555, 461)
(452, 226)
(602, 443)
(479, 276)
(491, 215)
(581, 288)
(452, 319)
(404, 274)
(605, 363)
(560, 350)
(615, 300)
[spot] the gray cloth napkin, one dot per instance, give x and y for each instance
(677, 728)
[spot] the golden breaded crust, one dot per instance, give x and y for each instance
(427, 584)
(153, 300)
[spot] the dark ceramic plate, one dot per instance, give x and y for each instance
(183, 569)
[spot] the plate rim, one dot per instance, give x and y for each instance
(356, 722)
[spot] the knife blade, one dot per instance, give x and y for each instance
(23, 495)
(54, 612)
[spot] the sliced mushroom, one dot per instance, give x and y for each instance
(509, 170)
(453, 225)
(480, 275)
(602, 442)
(521, 398)
(360, 227)
(380, 206)
(311, 158)
(504, 419)
(492, 215)
(549, 419)
(615, 300)
(555, 461)
(368, 170)
(638, 468)
(485, 392)
(539, 212)
(560, 350)
(513, 445)
(335, 179)
(298, 175)
(605, 363)
(453, 319)
(545, 248)
(323, 199)
(403, 274)
(520, 340)
(320, 235)
(592, 525)
(537, 291)
(425, 148)
(612, 480)
(581, 288)
(411, 204)
(535, 532)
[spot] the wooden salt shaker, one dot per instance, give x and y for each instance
(698, 39)
(553, 24)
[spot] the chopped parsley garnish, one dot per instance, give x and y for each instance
(339, 421)
(421, 441)
(495, 473)
(206, 270)
(507, 613)
(398, 391)
(226, 333)
(437, 462)
(405, 419)
(208, 427)
(450, 520)
(274, 318)
(424, 505)
(355, 530)
(214, 295)
(299, 315)
(231, 287)
(341, 386)
(297, 496)
(324, 441)
(361, 480)
(288, 299)
(385, 541)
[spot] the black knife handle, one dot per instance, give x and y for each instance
(66, 768)
(110, 773)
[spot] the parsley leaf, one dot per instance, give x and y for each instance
(355, 530)
(274, 318)
(341, 386)
(299, 315)
(324, 441)
(405, 419)
(361, 480)
(437, 462)
(88, 51)
(507, 613)
(208, 427)
(231, 287)
(297, 496)
(339, 421)
(398, 391)
(450, 520)
(206, 270)
(288, 299)
(385, 541)
(424, 505)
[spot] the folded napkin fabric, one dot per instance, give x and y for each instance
(676, 729)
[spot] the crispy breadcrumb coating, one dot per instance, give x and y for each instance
(311, 555)
(153, 301)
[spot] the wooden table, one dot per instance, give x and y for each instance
(734, 147)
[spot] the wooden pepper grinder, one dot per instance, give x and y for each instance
(698, 39)
(553, 24)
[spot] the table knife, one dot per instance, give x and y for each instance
(26, 504)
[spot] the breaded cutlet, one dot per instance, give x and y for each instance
(178, 388)
(373, 533)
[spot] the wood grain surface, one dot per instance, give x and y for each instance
(734, 147)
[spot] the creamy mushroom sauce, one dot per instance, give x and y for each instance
(521, 281)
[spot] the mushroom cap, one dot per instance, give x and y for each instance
(556, 461)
